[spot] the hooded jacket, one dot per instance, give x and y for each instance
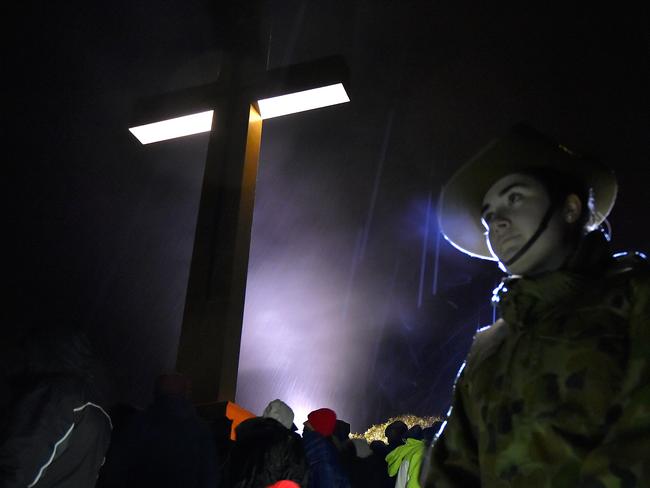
(57, 436)
(556, 392)
(266, 452)
(405, 461)
(165, 446)
(325, 469)
(55, 432)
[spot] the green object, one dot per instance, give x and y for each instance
(556, 393)
(413, 451)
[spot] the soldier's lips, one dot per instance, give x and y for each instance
(507, 238)
(507, 246)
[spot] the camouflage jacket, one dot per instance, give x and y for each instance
(556, 393)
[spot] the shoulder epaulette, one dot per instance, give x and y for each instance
(625, 262)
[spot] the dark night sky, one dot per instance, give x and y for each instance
(101, 228)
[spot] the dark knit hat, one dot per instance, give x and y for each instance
(323, 421)
(341, 430)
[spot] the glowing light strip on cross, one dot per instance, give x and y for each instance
(269, 107)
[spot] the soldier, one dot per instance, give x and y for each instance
(556, 393)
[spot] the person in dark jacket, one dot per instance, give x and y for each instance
(165, 446)
(341, 435)
(395, 433)
(324, 465)
(56, 431)
(266, 452)
(363, 467)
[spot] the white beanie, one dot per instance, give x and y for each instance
(279, 411)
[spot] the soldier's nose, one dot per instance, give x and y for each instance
(499, 224)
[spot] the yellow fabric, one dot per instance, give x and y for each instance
(413, 451)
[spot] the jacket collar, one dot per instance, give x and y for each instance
(521, 299)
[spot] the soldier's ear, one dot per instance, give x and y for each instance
(572, 208)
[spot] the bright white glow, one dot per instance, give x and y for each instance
(300, 411)
(173, 128)
(303, 100)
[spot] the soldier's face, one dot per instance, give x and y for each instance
(512, 211)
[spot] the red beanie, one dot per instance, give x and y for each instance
(323, 421)
(285, 484)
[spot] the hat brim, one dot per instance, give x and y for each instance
(459, 207)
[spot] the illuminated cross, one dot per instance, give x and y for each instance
(208, 351)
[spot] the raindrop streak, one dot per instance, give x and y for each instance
(353, 271)
(375, 189)
(458, 357)
(423, 258)
(268, 47)
(300, 18)
(388, 304)
(436, 261)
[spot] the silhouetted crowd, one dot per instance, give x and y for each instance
(56, 432)
(169, 445)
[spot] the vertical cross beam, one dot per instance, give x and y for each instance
(208, 351)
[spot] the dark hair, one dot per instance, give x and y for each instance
(560, 185)
(52, 351)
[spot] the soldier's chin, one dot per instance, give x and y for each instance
(507, 253)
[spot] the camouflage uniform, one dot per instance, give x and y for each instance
(556, 393)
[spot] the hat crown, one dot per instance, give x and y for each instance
(522, 149)
(323, 421)
(279, 411)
